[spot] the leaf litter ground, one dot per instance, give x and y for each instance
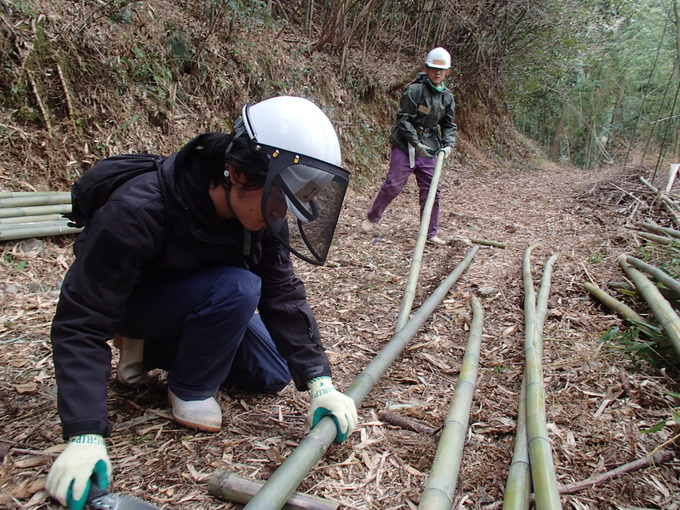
(599, 398)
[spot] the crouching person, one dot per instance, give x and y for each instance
(189, 269)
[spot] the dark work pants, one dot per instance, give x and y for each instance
(204, 330)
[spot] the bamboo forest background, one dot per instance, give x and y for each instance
(593, 81)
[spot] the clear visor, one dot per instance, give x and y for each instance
(308, 194)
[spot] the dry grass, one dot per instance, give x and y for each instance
(598, 398)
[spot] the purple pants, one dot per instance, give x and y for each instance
(395, 181)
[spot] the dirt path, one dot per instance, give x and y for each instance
(598, 399)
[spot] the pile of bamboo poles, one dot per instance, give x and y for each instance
(660, 293)
(656, 287)
(25, 214)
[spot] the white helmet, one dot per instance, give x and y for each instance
(438, 58)
(304, 164)
(293, 124)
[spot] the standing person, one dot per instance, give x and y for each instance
(183, 258)
(424, 126)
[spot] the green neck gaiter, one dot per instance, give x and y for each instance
(435, 87)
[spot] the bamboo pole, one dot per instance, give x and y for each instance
(540, 454)
(10, 212)
(659, 229)
(228, 486)
(31, 219)
(414, 270)
(31, 200)
(441, 483)
(488, 242)
(290, 474)
(518, 484)
(657, 273)
(661, 308)
(30, 225)
(626, 286)
(667, 204)
(9, 194)
(614, 304)
(663, 240)
(543, 292)
(37, 231)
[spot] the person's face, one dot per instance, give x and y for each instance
(436, 75)
(245, 204)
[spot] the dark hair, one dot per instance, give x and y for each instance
(208, 151)
(248, 163)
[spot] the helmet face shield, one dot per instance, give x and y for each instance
(312, 191)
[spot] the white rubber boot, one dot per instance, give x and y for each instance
(205, 415)
(130, 370)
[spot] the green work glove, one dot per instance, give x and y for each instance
(446, 150)
(425, 151)
(327, 401)
(84, 459)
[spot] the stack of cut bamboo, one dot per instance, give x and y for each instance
(25, 214)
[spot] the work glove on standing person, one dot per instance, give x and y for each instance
(446, 150)
(327, 401)
(425, 151)
(84, 460)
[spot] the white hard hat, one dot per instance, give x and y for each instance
(438, 58)
(293, 124)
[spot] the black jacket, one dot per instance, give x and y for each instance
(147, 231)
(425, 115)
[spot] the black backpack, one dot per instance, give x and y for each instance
(95, 186)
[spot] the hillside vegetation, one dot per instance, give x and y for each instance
(84, 80)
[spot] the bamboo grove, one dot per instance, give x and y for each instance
(592, 82)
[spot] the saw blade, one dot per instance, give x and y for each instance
(113, 501)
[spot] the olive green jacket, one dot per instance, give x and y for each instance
(425, 116)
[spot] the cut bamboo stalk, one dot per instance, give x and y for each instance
(414, 269)
(663, 240)
(228, 486)
(667, 204)
(624, 287)
(661, 308)
(543, 292)
(488, 242)
(8, 194)
(38, 99)
(283, 482)
(518, 485)
(31, 219)
(11, 212)
(657, 274)
(659, 229)
(8, 227)
(39, 231)
(67, 95)
(32, 200)
(441, 484)
(540, 453)
(614, 304)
